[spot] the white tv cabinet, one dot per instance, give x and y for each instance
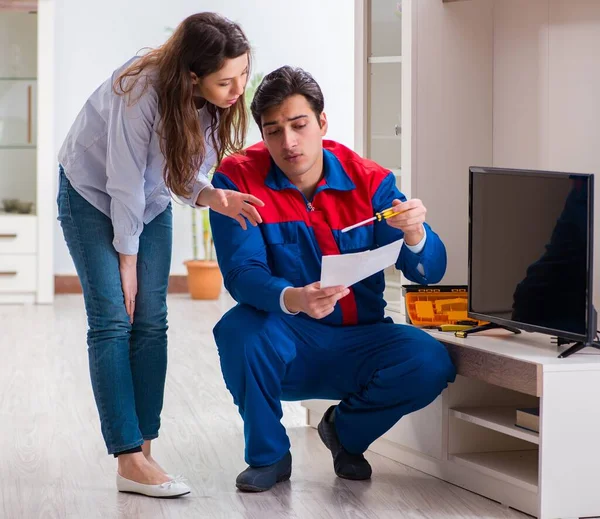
(467, 436)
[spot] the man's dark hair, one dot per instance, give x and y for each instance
(282, 83)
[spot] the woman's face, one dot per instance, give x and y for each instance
(224, 87)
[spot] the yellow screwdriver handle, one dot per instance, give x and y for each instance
(387, 213)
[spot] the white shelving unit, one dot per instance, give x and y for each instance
(379, 105)
(27, 155)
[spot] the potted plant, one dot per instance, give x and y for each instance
(204, 277)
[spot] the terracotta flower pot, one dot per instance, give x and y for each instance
(204, 279)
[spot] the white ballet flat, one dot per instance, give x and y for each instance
(170, 489)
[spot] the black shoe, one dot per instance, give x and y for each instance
(346, 465)
(259, 479)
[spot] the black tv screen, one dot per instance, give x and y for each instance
(530, 250)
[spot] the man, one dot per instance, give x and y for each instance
(289, 339)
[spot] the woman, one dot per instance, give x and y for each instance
(157, 126)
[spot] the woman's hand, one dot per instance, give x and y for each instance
(128, 271)
(234, 204)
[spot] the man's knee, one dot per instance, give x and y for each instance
(428, 369)
(248, 338)
(234, 330)
(436, 368)
(239, 323)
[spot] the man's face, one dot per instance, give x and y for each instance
(294, 136)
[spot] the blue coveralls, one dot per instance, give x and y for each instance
(380, 371)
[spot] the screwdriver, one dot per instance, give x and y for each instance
(383, 215)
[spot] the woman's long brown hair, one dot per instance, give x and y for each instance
(200, 44)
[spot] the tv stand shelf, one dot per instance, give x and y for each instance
(467, 436)
(501, 419)
(519, 468)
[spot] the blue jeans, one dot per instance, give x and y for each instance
(128, 363)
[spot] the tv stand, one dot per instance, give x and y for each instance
(490, 326)
(468, 436)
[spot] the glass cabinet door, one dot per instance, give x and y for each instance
(384, 121)
(385, 116)
(18, 113)
(18, 110)
(385, 27)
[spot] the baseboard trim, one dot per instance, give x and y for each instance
(68, 284)
(178, 284)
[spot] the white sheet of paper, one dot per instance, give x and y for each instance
(347, 269)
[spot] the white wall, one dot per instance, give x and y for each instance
(451, 116)
(547, 90)
(93, 38)
(509, 83)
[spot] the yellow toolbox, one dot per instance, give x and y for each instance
(437, 305)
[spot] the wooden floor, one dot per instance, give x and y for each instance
(53, 463)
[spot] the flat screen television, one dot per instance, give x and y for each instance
(531, 253)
